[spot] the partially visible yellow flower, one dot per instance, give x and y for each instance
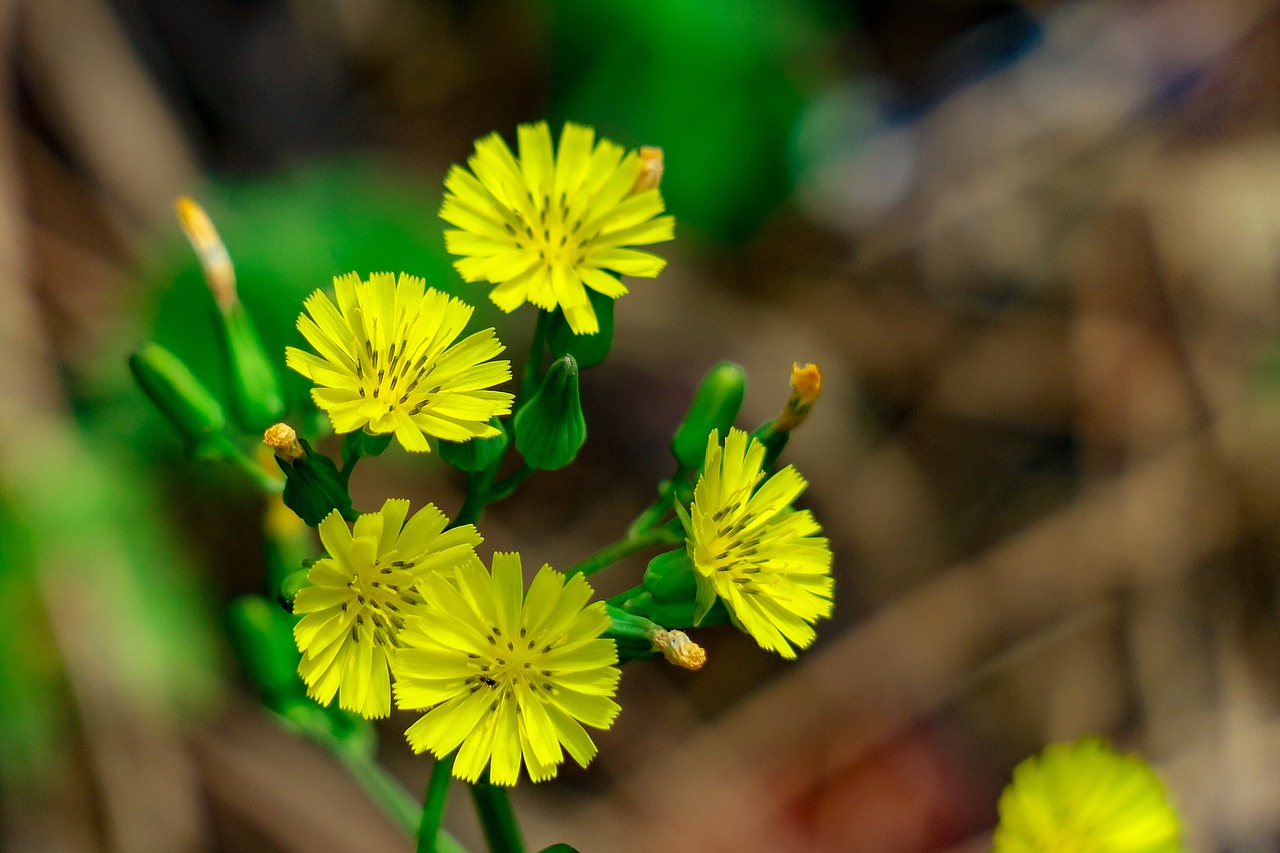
(750, 548)
(388, 363)
(1084, 797)
(505, 676)
(547, 225)
(360, 594)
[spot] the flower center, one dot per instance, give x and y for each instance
(553, 235)
(392, 378)
(512, 661)
(381, 596)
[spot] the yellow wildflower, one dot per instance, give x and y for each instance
(505, 676)
(1085, 797)
(360, 594)
(388, 363)
(547, 225)
(750, 548)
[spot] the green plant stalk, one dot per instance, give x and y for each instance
(497, 819)
(658, 510)
(668, 534)
(429, 833)
(533, 367)
(261, 478)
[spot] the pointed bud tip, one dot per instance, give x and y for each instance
(806, 385)
(214, 260)
(651, 167)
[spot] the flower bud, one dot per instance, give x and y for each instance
(262, 636)
(587, 350)
(256, 401)
(550, 428)
(313, 486)
(806, 385)
(283, 439)
(639, 637)
(714, 406)
(477, 454)
(670, 576)
(651, 168)
(180, 397)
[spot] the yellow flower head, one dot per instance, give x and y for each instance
(749, 547)
(505, 676)
(388, 363)
(360, 595)
(1085, 797)
(547, 225)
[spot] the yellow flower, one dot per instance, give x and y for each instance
(544, 227)
(1085, 797)
(504, 676)
(749, 547)
(388, 363)
(360, 595)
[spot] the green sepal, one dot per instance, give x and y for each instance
(714, 407)
(670, 576)
(550, 428)
(774, 442)
(588, 350)
(670, 614)
(360, 443)
(477, 454)
(291, 585)
(256, 400)
(559, 848)
(313, 487)
(182, 399)
(261, 634)
(704, 598)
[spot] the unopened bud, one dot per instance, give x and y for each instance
(214, 260)
(715, 405)
(678, 649)
(283, 439)
(806, 385)
(650, 169)
(550, 428)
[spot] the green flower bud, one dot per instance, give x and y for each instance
(670, 576)
(291, 584)
(676, 613)
(637, 637)
(588, 350)
(313, 486)
(478, 453)
(256, 400)
(550, 428)
(180, 397)
(714, 406)
(262, 636)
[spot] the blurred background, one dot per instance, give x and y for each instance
(1035, 247)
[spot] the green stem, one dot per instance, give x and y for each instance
(658, 510)
(263, 479)
(475, 501)
(668, 534)
(384, 790)
(533, 367)
(496, 818)
(504, 487)
(433, 806)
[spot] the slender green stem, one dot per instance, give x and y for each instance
(497, 819)
(474, 503)
(262, 478)
(508, 484)
(668, 534)
(533, 366)
(433, 806)
(658, 510)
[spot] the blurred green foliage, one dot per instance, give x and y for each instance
(717, 83)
